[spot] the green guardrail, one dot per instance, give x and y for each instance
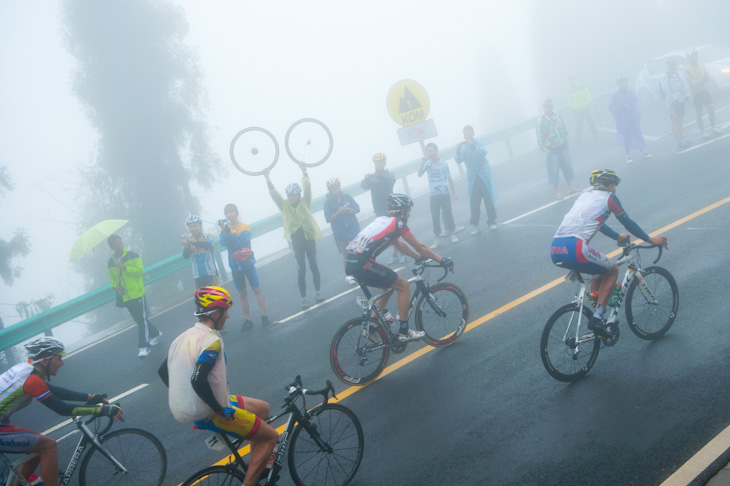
(40, 323)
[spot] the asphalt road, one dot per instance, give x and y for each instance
(485, 411)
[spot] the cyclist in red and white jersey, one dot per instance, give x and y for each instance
(588, 215)
(25, 381)
(383, 232)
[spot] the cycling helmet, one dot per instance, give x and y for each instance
(44, 347)
(691, 52)
(398, 202)
(604, 178)
(293, 188)
(210, 299)
(194, 219)
(333, 182)
(379, 156)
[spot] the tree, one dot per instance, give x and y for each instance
(18, 245)
(141, 87)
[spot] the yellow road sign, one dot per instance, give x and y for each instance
(408, 103)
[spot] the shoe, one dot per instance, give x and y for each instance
(247, 324)
(388, 316)
(318, 298)
(156, 339)
(559, 197)
(683, 144)
(454, 239)
(629, 160)
(716, 131)
(392, 260)
(305, 304)
(475, 230)
(265, 321)
(436, 243)
(402, 259)
(645, 155)
(143, 352)
(596, 325)
(706, 135)
(411, 336)
(493, 226)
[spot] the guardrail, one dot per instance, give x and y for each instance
(45, 321)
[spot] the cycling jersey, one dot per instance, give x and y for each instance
(377, 236)
(200, 251)
(199, 343)
(588, 214)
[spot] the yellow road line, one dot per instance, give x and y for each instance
(488, 317)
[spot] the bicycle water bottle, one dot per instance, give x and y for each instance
(272, 457)
(613, 300)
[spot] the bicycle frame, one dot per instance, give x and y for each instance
(88, 438)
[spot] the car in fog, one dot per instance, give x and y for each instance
(715, 58)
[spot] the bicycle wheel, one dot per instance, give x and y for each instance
(309, 142)
(216, 476)
(651, 311)
(253, 150)
(330, 450)
(140, 460)
(359, 352)
(442, 314)
(568, 357)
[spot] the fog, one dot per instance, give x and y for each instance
(489, 64)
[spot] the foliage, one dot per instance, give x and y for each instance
(19, 244)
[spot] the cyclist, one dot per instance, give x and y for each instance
(25, 381)
(383, 232)
(195, 372)
(570, 248)
(198, 246)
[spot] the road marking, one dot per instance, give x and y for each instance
(491, 315)
(648, 137)
(707, 142)
(111, 400)
(700, 461)
(524, 215)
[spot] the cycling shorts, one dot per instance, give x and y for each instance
(240, 276)
(573, 253)
(16, 440)
(701, 98)
(369, 272)
(243, 424)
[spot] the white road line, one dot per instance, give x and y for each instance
(700, 461)
(712, 140)
(114, 399)
(541, 208)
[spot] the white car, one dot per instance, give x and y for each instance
(715, 58)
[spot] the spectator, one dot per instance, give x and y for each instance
(235, 236)
(472, 153)
(340, 210)
(552, 137)
(580, 105)
(380, 183)
(126, 275)
(675, 94)
(301, 229)
(624, 106)
(698, 79)
(199, 248)
(439, 183)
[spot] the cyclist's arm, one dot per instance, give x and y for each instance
(199, 380)
(421, 249)
(306, 189)
(608, 231)
(66, 394)
(275, 195)
(44, 393)
(614, 205)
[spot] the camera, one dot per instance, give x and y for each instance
(222, 223)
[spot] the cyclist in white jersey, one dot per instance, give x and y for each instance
(588, 215)
(383, 232)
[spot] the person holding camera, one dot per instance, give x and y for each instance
(339, 211)
(235, 235)
(199, 248)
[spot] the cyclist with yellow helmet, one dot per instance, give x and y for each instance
(195, 371)
(25, 381)
(588, 215)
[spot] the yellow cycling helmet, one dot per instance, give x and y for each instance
(604, 178)
(209, 299)
(379, 156)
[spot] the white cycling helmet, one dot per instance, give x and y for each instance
(293, 188)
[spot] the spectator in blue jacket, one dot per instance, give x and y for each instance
(473, 154)
(339, 211)
(235, 235)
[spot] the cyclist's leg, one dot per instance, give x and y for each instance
(298, 246)
(261, 409)
(311, 252)
(373, 274)
(403, 288)
(239, 279)
(32, 442)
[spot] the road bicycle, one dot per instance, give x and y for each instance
(568, 350)
(308, 142)
(254, 150)
(131, 457)
(360, 349)
(325, 445)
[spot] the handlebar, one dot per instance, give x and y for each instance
(422, 265)
(629, 247)
(296, 389)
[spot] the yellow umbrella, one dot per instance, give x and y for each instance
(95, 235)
